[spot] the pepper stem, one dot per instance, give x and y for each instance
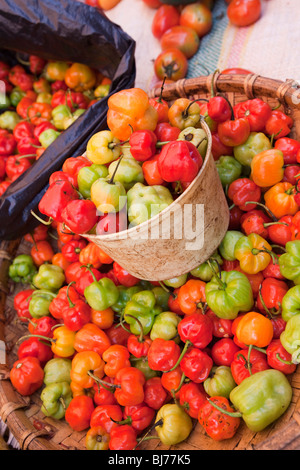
(236, 414)
(71, 304)
(111, 181)
(45, 222)
(186, 346)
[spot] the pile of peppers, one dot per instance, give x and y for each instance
(125, 360)
(41, 99)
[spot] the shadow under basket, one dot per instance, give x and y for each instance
(22, 415)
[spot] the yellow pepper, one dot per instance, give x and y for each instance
(253, 252)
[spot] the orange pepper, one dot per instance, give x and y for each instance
(59, 260)
(80, 77)
(104, 257)
(279, 199)
(116, 357)
(84, 365)
(78, 390)
(151, 172)
(254, 329)
(90, 255)
(184, 113)
(42, 252)
(39, 112)
(108, 4)
(103, 318)
(267, 168)
(91, 338)
(191, 296)
(129, 110)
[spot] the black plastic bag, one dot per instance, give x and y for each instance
(69, 31)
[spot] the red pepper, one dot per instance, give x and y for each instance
(179, 161)
(172, 381)
(42, 326)
(196, 328)
(124, 277)
(235, 214)
(256, 111)
(163, 354)
(105, 415)
(33, 347)
(173, 303)
(142, 145)
(72, 249)
(72, 165)
(196, 364)
(43, 126)
(23, 106)
(279, 325)
(191, 397)
(39, 112)
(219, 109)
(8, 143)
(2, 167)
(14, 71)
(289, 148)
(244, 190)
(221, 326)
(165, 132)
(55, 199)
(278, 358)
(245, 364)
(21, 304)
(36, 64)
(278, 125)
(218, 149)
(161, 107)
(223, 352)
(116, 358)
(291, 174)
(102, 394)
(234, 132)
(4, 70)
(58, 85)
(138, 416)
(61, 302)
(80, 215)
(218, 425)
(155, 394)
(273, 270)
(79, 412)
(4, 186)
(27, 375)
(23, 129)
(123, 438)
(77, 315)
(256, 221)
(62, 176)
(139, 346)
(130, 386)
(281, 233)
(151, 171)
(272, 292)
(118, 335)
(16, 166)
(27, 145)
(112, 223)
(85, 277)
(295, 226)
(74, 100)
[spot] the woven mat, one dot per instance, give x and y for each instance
(268, 48)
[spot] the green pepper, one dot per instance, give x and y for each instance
(5, 102)
(161, 296)
(196, 136)
(88, 175)
(165, 326)
(173, 424)
(145, 202)
(57, 369)
(129, 172)
(40, 302)
(68, 121)
(142, 364)
(56, 398)
(207, 269)
(49, 277)
(101, 294)
(8, 120)
(47, 137)
(229, 169)
(22, 269)
(44, 97)
(142, 307)
(176, 281)
(125, 294)
(102, 90)
(59, 113)
(229, 294)
(220, 382)
(262, 398)
(290, 338)
(257, 142)
(289, 262)
(16, 95)
(228, 243)
(290, 305)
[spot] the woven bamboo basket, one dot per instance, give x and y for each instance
(34, 431)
